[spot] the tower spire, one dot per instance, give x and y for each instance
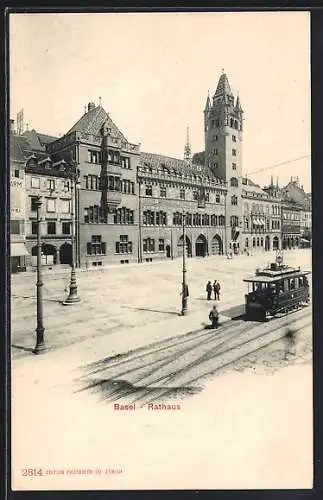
(187, 147)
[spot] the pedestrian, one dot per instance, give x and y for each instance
(290, 342)
(216, 289)
(209, 290)
(214, 317)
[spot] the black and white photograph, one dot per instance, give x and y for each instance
(160, 251)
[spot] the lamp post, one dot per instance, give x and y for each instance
(73, 298)
(40, 344)
(184, 284)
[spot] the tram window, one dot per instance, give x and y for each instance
(292, 284)
(300, 281)
(286, 286)
(296, 283)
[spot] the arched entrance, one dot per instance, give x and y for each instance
(267, 243)
(48, 254)
(216, 245)
(201, 246)
(168, 254)
(275, 243)
(188, 246)
(65, 254)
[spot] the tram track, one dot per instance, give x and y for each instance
(144, 374)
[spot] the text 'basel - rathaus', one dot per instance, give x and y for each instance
(129, 205)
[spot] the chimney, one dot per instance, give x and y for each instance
(90, 106)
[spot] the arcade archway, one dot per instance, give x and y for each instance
(201, 246)
(188, 246)
(216, 245)
(65, 254)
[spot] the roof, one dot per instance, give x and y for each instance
(223, 86)
(167, 162)
(91, 123)
(46, 139)
(18, 147)
(274, 279)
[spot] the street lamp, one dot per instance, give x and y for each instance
(184, 284)
(40, 344)
(73, 298)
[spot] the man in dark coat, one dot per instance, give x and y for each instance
(209, 290)
(214, 317)
(216, 289)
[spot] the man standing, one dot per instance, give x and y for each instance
(216, 289)
(214, 317)
(209, 290)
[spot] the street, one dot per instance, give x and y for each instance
(122, 362)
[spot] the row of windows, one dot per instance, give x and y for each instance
(234, 165)
(113, 157)
(275, 224)
(182, 194)
(96, 246)
(51, 205)
(151, 218)
(257, 208)
(94, 215)
(50, 184)
(114, 183)
(198, 219)
(256, 242)
(148, 245)
(51, 227)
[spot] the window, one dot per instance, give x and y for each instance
(182, 194)
(215, 137)
(247, 243)
(123, 215)
(161, 245)
(234, 152)
(214, 220)
(94, 156)
(17, 173)
(148, 245)
(51, 184)
(66, 227)
(50, 205)
(65, 206)
(234, 139)
(15, 226)
(246, 223)
(234, 182)
(34, 227)
(149, 191)
(35, 182)
(177, 219)
(123, 245)
(51, 227)
(33, 203)
(221, 220)
(216, 151)
(207, 196)
(149, 218)
(163, 192)
(195, 195)
(161, 218)
(234, 200)
(217, 198)
(234, 166)
(96, 246)
(234, 221)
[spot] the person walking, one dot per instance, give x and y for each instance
(214, 317)
(216, 289)
(209, 290)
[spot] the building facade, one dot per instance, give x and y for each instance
(19, 257)
(132, 206)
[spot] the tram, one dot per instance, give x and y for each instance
(276, 289)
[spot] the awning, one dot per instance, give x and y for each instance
(256, 222)
(304, 240)
(18, 249)
(261, 222)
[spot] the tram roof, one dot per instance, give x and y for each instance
(265, 278)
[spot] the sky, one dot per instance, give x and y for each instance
(153, 73)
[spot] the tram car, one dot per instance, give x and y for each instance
(274, 290)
